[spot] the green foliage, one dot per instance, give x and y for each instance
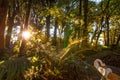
(13, 69)
(67, 37)
(27, 68)
(43, 63)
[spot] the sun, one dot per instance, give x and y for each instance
(26, 34)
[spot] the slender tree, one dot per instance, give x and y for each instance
(23, 44)
(48, 27)
(85, 25)
(12, 12)
(55, 31)
(118, 40)
(108, 34)
(100, 31)
(80, 13)
(107, 21)
(3, 13)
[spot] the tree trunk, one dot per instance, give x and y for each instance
(94, 34)
(101, 24)
(48, 27)
(108, 37)
(105, 38)
(9, 31)
(3, 13)
(114, 40)
(55, 32)
(118, 39)
(85, 31)
(80, 13)
(23, 44)
(98, 36)
(111, 37)
(11, 14)
(106, 10)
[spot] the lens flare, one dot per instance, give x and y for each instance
(26, 34)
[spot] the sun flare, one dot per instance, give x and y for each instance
(26, 34)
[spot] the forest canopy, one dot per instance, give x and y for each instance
(61, 22)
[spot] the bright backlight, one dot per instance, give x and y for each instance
(26, 34)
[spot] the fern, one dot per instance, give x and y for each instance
(12, 69)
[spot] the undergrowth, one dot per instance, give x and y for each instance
(42, 63)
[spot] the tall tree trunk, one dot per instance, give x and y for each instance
(23, 44)
(106, 10)
(9, 32)
(11, 14)
(49, 5)
(108, 37)
(80, 13)
(85, 31)
(101, 24)
(3, 13)
(55, 32)
(48, 27)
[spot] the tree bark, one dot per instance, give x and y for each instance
(48, 27)
(9, 30)
(9, 33)
(55, 32)
(80, 13)
(118, 39)
(108, 37)
(101, 24)
(13, 10)
(114, 40)
(3, 13)
(104, 38)
(23, 44)
(94, 34)
(85, 30)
